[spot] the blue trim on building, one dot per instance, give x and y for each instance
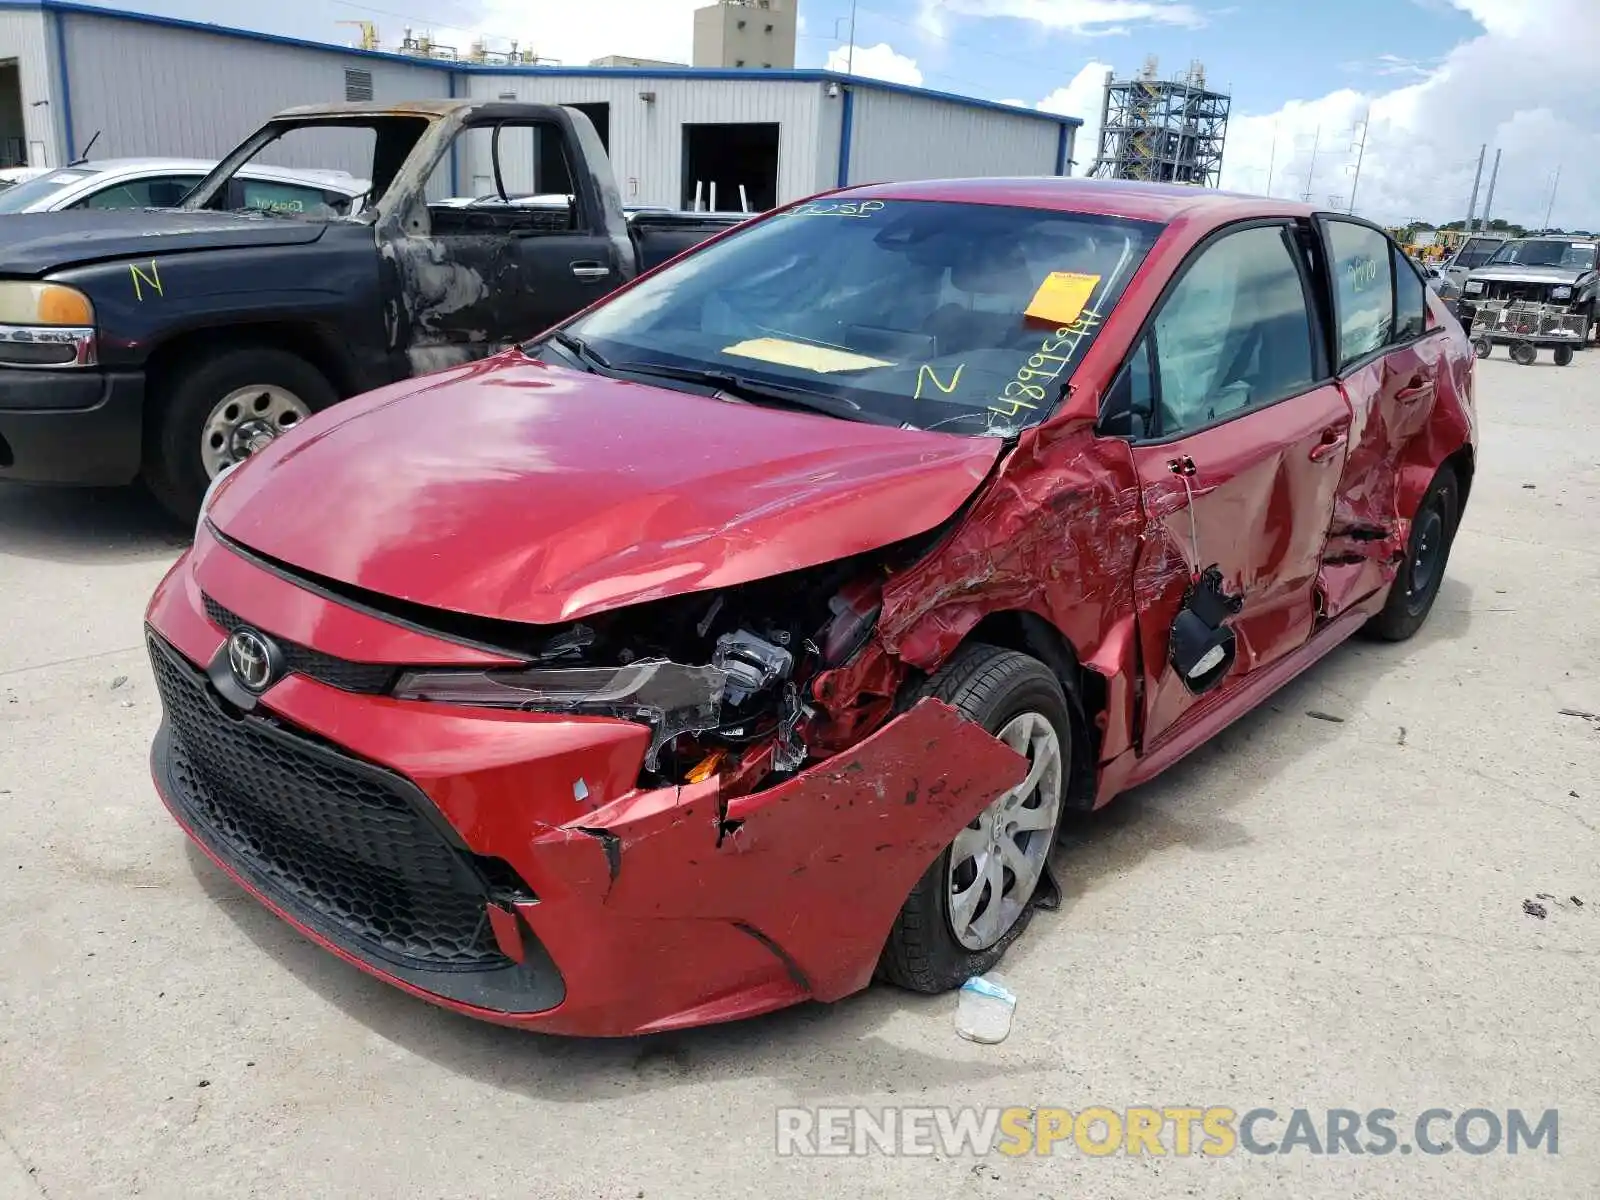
(453, 68)
(1061, 151)
(66, 91)
(847, 120)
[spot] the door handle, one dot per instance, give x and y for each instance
(1420, 389)
(1332, 441)
(590, 270)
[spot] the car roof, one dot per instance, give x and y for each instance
(340, 180)
(1163, 202)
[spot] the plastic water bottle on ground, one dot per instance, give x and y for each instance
(983, 1009)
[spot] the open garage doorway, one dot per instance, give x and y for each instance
(719, 159)
(13, 130)
(551, 173)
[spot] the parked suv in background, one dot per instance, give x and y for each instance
(164, 182)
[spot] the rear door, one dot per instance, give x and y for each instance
(1238, 438)
(1391, 358)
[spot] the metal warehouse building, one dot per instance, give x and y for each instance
(137, 85)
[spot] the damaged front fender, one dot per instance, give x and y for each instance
(814, 870)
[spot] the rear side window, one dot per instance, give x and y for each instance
(1410, 302)
(1363, 287)
(1234, 334)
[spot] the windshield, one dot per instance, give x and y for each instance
(309, 169)
(927, 314)
(1576, 256)
(25, 195)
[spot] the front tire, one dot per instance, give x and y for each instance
(1415, 588)
(977, 897)
(223, 406)
(1524, 353)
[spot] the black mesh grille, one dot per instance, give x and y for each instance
(337, 835)
(369, 678)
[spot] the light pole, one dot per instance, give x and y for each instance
(850, 54)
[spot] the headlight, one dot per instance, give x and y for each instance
(1561, 293)
(668, 697)
(43, 304)
(45, 325)
(211, 491)
(1473, 287)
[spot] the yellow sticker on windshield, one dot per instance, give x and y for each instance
(822, 359)
(1061, 297)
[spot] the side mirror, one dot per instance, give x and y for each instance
(1201, 647)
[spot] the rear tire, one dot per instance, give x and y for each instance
(1524, 353)
(1000, 690)
(1563, 356)
(1482, 347)
(1415, 588)
(174, 466)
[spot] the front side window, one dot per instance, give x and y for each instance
(930, 314)
(1234, 334)
(1363, 289)
(166, 191)
(1477, 251)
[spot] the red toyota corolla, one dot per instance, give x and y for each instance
(751, 634)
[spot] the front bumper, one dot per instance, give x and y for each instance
(451, 852)
(83, 426)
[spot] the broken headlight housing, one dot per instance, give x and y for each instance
(1561, 293)
(668, 697)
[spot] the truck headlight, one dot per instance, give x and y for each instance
(1561, 293)
(45, 325)
(1473, 287)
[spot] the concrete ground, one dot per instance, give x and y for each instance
(1307, 913)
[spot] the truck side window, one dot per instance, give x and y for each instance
(505, 178)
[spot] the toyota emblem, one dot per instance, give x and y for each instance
(252, 659)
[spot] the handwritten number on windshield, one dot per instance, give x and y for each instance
(1045, 365)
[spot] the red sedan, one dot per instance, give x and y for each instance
(750, 634)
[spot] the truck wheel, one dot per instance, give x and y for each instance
(1523, 353)
(219, 409)
(976, 898)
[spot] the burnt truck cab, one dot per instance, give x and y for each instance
(1532, 292)
(171, 345)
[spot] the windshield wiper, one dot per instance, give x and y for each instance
(758, 392)
(579, 349)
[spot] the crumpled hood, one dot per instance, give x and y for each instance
(36, 243)
(1513, 273)
(511, 489)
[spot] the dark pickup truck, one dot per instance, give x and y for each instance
(169, 344)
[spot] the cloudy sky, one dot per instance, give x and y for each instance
(1429, 81)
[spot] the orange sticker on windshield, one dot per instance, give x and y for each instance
(1061, 297)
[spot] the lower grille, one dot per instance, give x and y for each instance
(1528, 293)
(343, 838)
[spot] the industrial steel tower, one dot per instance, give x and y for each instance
(1164, 130)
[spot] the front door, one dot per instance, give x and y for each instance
(1238, 440)
(509, 250)
(1391, 366)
